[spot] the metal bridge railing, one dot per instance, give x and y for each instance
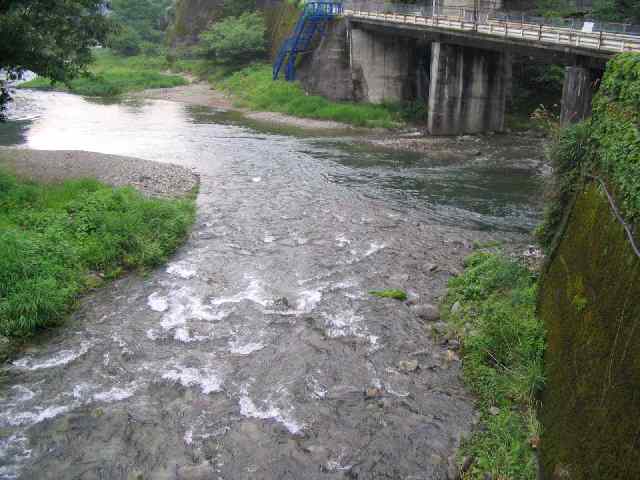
(604, 37)
(491, 14)
(330, 9)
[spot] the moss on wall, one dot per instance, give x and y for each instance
(191, 17)
(589, 301)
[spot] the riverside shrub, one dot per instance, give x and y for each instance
(235, 40)
(55, 240)
(606, 146)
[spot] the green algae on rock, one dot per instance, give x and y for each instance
(395, 294)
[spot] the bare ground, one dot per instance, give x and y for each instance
(202, 94)
(150, 178)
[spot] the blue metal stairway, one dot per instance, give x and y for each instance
(313, 19)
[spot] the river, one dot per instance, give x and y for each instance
(248, 356)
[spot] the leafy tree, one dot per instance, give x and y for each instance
(234, 8)
(140, 22)
(617, 10)
(143, 16)
(50, 37)
(235, 40)
(126, 42)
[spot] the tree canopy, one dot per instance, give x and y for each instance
(235, 40)
(50, 37)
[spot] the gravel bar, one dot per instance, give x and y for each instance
(151, 178)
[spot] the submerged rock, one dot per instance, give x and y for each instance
(427, 312)
(373, 392)
(456, 308)
(204, 471)
(408, 366)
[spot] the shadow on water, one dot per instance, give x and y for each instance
(14, 132)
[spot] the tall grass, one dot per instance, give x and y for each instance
(57, 241)
(112, 75)
(503, 345)
(255, 89)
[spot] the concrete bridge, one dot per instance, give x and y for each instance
(457, 58)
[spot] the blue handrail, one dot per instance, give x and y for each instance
(313, 19)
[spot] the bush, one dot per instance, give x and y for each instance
(607, 146)
(126, 42)
(113, 75)
(235, 39)
(151, 49)
(53, 236)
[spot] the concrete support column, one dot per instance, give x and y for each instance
(468, 90)
(577, 95)
(383, 66)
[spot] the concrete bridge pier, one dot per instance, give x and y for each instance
(383, 66)
(577, 95)
(468, 89)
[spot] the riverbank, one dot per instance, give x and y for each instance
(203, 94)
(152, 179)
(491, 314)
(67, 230)
(111, 75)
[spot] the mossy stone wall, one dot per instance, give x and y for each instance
(590, 303)
(191, 18)
(280, 19)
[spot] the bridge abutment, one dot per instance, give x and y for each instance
(468, 89)
(577, 95)
(383, 66)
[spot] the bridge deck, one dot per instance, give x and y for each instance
(533, 34)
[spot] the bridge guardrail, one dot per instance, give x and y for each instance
(581, 34)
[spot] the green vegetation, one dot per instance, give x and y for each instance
(113, 75)
(607, 146)
(235, 40)
(139, 26)
(49, 37)
(394, 294)
(502, 350)
(60, 240)
(255, 89)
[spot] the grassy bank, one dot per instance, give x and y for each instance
(61, 240)
(491, 308)
(255, 89)
(112, 75)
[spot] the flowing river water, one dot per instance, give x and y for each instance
(248, 356)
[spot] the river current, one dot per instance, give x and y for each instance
(249, 355)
